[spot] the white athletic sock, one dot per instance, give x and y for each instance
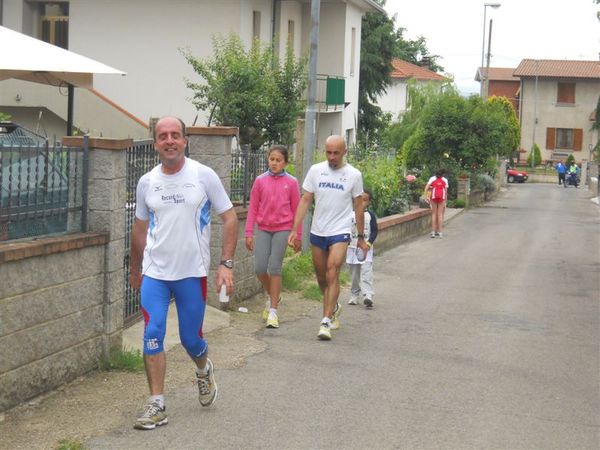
(160, 399)
(326, 320)
(272, 310)
(202, 371)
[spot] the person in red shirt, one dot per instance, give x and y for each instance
(436, 190)
(274, 199)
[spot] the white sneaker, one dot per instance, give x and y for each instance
(335, 318)
(324, 332)
(353, 299)
(432, 234)
(440, 235)
(207, 388)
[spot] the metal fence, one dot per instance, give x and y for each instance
(43, 189)
(246, 165)
(141, 157)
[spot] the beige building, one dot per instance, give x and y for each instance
(557, 100)
(143, 38)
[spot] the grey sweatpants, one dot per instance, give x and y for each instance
(362, 279)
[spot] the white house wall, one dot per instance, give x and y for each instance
(155, 67)
(551, 116)
(144, 38)
(291, 10)
(393, 101)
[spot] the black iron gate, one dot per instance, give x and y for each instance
(141, 157)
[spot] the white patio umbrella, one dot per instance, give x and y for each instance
(26, 58)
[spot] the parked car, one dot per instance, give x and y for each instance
(516, 176)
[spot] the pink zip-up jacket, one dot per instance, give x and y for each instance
(273, 203)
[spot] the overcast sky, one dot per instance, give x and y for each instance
(544, 29)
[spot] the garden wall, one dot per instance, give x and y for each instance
(395, 229)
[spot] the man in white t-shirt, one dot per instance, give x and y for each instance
(336, 188)
(170, 257)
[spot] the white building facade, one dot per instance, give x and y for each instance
(144, 38)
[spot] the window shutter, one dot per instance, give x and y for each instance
(550, 138)
(566, 93)
(577, 138)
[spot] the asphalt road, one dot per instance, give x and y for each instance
(485, 339)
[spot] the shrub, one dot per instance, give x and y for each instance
(382, 179)
(458, 203)
(537, 156)
(570, 160)
(486, 182)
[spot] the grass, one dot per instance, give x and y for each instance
(298, 275)
(297, 270)
(123, 360)
(69, 444)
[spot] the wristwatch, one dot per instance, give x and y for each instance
(227, 263)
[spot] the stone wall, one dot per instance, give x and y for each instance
(397, 228)
(52, 313)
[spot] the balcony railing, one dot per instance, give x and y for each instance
(331, 93)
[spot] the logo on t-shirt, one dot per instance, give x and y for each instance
(173, 198)
(329, 185)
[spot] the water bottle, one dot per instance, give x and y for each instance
(223, 297)
(360, 254)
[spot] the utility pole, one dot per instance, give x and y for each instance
(486, 82)
(310, 123)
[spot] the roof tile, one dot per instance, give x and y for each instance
(404, 69)
(550, 68)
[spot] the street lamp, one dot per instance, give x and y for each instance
(483, 74)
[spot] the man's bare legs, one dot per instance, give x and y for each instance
(328, 264)
(156, 367)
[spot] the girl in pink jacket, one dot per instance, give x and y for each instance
(273, 202)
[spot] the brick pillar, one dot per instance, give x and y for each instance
(211, 146)
(106, 213)
(464, 189)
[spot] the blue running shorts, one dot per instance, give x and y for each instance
(324, 242)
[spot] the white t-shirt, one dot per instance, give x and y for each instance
(178, 210)
(334, 192)
(433, 178)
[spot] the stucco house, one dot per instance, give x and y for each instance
(395, 98)
(501, 83)
(143, 38)
(557, 99)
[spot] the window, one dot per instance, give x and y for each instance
(565, 93)
(256, 24)
(353, 51)
(290, 40)
(564, 138)
(54, 27)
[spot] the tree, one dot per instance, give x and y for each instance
(596, 126)
(461, 134)
(249, 89)
(380, 43)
